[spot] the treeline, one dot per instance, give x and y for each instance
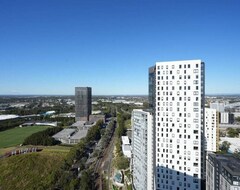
(120, 161)
(11, 123)
(108, 133)
(67, 177)
(121, 118)
(28, 110)
(232, 132)
(62, 121)
(43, 137)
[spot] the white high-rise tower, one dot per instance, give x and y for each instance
(178, 103)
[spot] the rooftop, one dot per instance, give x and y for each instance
(64, 134)
(125, 140)
(80, 134)
(229, 162)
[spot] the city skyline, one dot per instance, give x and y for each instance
(49, 47)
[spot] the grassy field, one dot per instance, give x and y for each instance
(30, 171)
(16, 136)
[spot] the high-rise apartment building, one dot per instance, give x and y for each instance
(211, 130)
(178, 103)
(142, 150)
(83, 103)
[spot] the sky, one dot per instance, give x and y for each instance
(51, 46)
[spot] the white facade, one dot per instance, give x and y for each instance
(210, 176)
(210, 129)
(125, 140)
(142, 150)
(126, 147)
(224, 117)
(179, 119)
(224, 184)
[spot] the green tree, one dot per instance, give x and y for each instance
(225, 146)
(237, 119)
(121, 162)
(85, 181)
(232, 132)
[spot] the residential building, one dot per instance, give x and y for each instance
(178, 101)
(222, 172)
(226, 118)
(211, 130)
(142, 150)
(83, 103)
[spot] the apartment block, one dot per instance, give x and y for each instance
(142, 150)
(178, 103)
(211, 130)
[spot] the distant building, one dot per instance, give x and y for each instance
(95, 118)
(211, 130)
(226, 118)
(218, 106)
(142, 150)
(53, 124)
(223, 172)
(83, 103)
(71, 135)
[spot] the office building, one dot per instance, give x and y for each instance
(211, 130)
(83, 103)
(142, 150)
(178, 102)
(222, 172)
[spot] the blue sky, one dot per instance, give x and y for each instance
(51, 46)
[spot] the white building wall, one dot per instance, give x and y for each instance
(210, 176)
(142, 150)
(210, 129)
(225, 185)
(224, 117)
(179, 124)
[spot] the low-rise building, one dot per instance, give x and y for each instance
(71, 135)
(126, 147)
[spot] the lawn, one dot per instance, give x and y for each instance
(30, 171)
(16, 136)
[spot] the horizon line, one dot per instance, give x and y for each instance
(210, 94)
